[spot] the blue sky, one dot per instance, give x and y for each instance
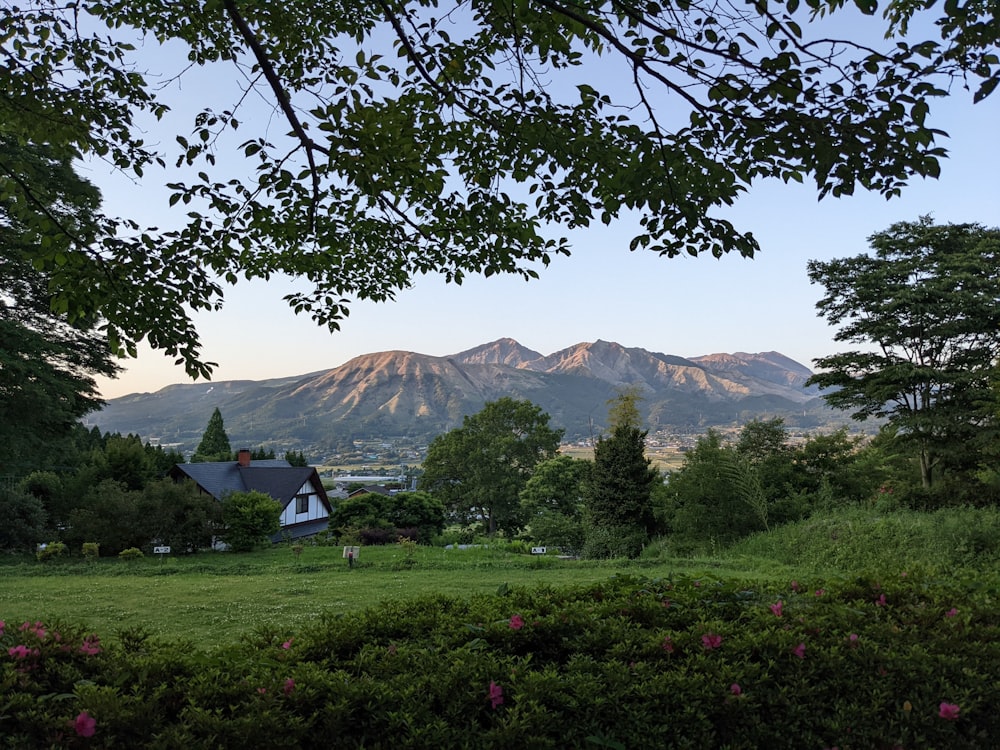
(682, 306)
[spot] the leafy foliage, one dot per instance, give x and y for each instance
(403, 511)
(24, 523)
(47, 364)
(925, 307)
(726, 491)
(631, 662)
(249, 519)
(479, 469)
(425, 139)
(552, 502)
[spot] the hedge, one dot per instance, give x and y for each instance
(629, 663)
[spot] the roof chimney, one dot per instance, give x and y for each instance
(243, 457)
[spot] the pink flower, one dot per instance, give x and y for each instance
(776, 608)
(950, 613)
(91, 645)
(85, 724)
(800, 651)
(711, 640)
(852, 640)
(38, 629)
(287, 644)
(22, 652)
(880, 602)
(735, 689)
(516, 622)
(948, 711)
(289, 686)
(496, 695)
(796, 587)
(820, 592)
(262, 690)
(668, 645)
(2, 626)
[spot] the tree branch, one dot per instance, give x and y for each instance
(284, 102)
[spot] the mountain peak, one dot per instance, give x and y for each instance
(504, 351)
(401, 393)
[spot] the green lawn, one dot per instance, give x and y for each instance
(217, 597)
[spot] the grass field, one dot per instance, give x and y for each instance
(212, 598)
(218, 597)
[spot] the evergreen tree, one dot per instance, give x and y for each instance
(214, 445)
(618, 495)
(296, 459)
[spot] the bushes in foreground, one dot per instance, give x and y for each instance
(628, 663)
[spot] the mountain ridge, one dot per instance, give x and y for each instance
(402, 393)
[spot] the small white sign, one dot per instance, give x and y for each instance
(161, 550)
(538, 550)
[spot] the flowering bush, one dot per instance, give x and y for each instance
(629, 662)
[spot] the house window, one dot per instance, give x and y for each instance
(301, 504)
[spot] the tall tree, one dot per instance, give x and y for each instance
(214, 445)
(47, 365)
(552, 502)
(924, 307)
(480, 468)
(618, 494)
(414, 132)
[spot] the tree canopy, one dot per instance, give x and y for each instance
(214, 445)
(47, 366)
(454, 138)
(618, 491)
(924, 309)
(480, 468)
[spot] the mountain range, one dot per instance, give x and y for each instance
(405, 394)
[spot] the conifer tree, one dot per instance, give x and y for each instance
(618, 495)
(214, 445)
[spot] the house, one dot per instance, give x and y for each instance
(373, 489)
(305, 505)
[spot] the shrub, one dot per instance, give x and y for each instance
(24, 520)
(91, 550)
(50, 550)
(614, 541)
(628, 662)
(249, 519)
(132, 553)
(377, 536)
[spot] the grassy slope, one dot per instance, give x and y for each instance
(216, 598)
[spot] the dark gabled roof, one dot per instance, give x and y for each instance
(274, 477)
(373, 489)
(282, 484)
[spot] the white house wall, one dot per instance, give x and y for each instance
(315, 512)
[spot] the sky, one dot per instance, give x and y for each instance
(679, 306)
